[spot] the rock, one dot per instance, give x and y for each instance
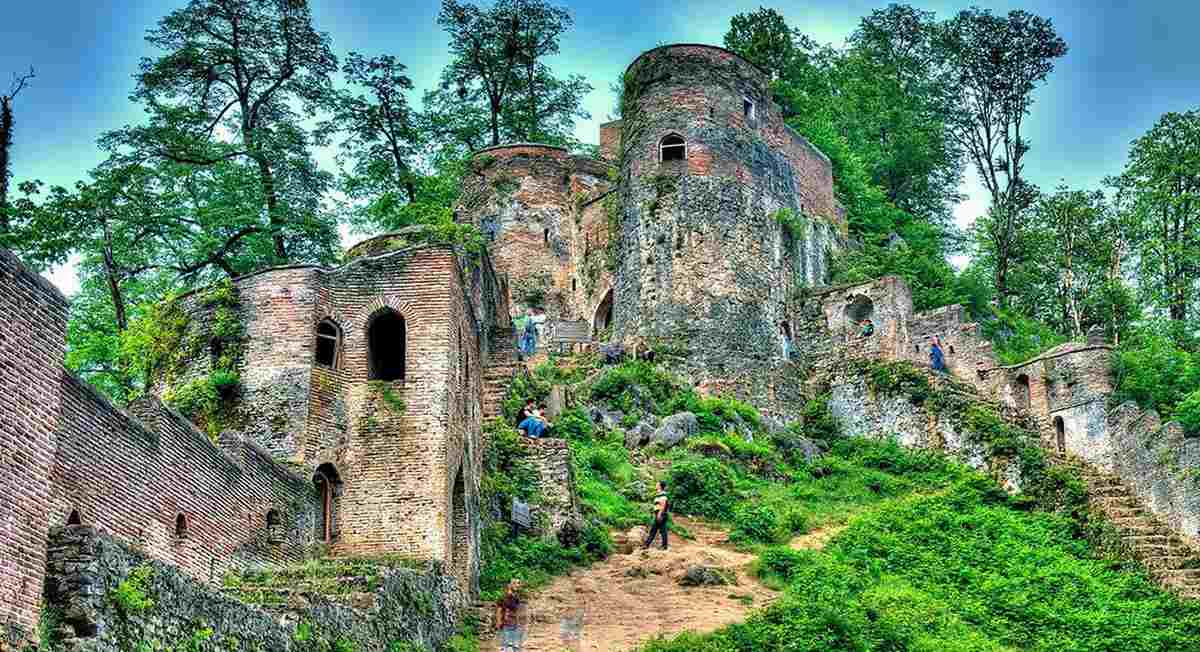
(638, 435)
(896, 242)
(556, 401)
(612, 353)
(699, 575)
(675, 429)
(810, 449)
(608, 419)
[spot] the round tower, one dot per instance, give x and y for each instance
(724, 210)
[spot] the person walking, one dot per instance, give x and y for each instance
(509, 618)
(868, 328)
(661, 511)
(937, 359)
(529, 338)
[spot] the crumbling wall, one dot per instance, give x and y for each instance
(136, 475)
(527, 199)
(111, 598)
(558, 504)
(32, 342)
(1160, 464)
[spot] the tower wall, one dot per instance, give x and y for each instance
(32, 343)
(705, 260)
(529, 200)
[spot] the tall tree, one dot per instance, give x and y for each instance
(499, 60)
(1162, 181)
(225, 90)
(6, 140)
(997, 62)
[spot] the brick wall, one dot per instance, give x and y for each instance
(32, 341)
(134, 474)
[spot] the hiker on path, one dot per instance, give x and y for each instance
(661, 511)
(509, 612)
(868, 328)
(937, 359)
(529, 336)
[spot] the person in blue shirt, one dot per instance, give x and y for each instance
(937, 359)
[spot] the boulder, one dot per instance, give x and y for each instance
(809, 449)
(699, 575)
(675, 429)
(612, 353)
(638, 435)
(608, 419)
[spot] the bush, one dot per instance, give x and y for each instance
(701, 486)
(755, 524)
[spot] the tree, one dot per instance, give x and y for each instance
(6, 140)
(499, 62)
(996, 63)
(764, 38)
(894, 102)
(235, 68)
(1161, 185)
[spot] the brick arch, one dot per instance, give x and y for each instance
(377, 306)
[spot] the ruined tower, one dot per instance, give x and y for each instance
(724, 210)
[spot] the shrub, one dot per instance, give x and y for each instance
(755, 524)
(702, 486)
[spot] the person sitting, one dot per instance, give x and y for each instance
(529, 410)
(868, 328)
(534, 426)
(541, 415)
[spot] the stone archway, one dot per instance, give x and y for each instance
(603, 316)
(460, 529)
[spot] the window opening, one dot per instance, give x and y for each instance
(1023, 398)
(546, 236)
(672, 148)
(329, 341)
(74, 519)
(181, 526)
(1060, 431)
(747, 108)
(386, 340)
(272, 518)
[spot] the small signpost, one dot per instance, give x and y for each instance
(520, 514)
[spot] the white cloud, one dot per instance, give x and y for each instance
(65, 276)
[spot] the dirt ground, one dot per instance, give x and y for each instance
(620, 603)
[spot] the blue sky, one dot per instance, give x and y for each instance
(1130, 61)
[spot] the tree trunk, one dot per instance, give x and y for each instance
(6, 128)
(274, 219)
(114, 284)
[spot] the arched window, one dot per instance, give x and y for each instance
(546, 236)
(1060, 434)
(274, 526)
(672, 148)
(272, 518)
(329, 344)
(74, 519)
(748, 109)
(181, 526)
(327, 481)
(603, 316)
(460, 535)
(387, 338)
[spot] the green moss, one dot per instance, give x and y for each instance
(131, 595)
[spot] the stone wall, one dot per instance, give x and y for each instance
(140, 476)
(528, 200)
(706, 260)
(110, 598)
(1159, 464)
(32, 342)
(559, 504)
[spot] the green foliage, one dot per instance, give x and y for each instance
(1015, 338)
(701, 486)
(132, 593)
(533, 560)
(756, 524)
(1155, 372)
(507, 471)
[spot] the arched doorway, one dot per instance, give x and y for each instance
(327, 481)
(1060, 434)
(1022, 392)
(604, 313)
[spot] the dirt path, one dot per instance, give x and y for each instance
(631, 597)
(816, 539)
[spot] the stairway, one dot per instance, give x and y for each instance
(502, 366)
(1168, 559)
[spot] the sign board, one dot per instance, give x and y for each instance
(520, 514)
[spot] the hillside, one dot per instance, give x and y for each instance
(910, 549)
